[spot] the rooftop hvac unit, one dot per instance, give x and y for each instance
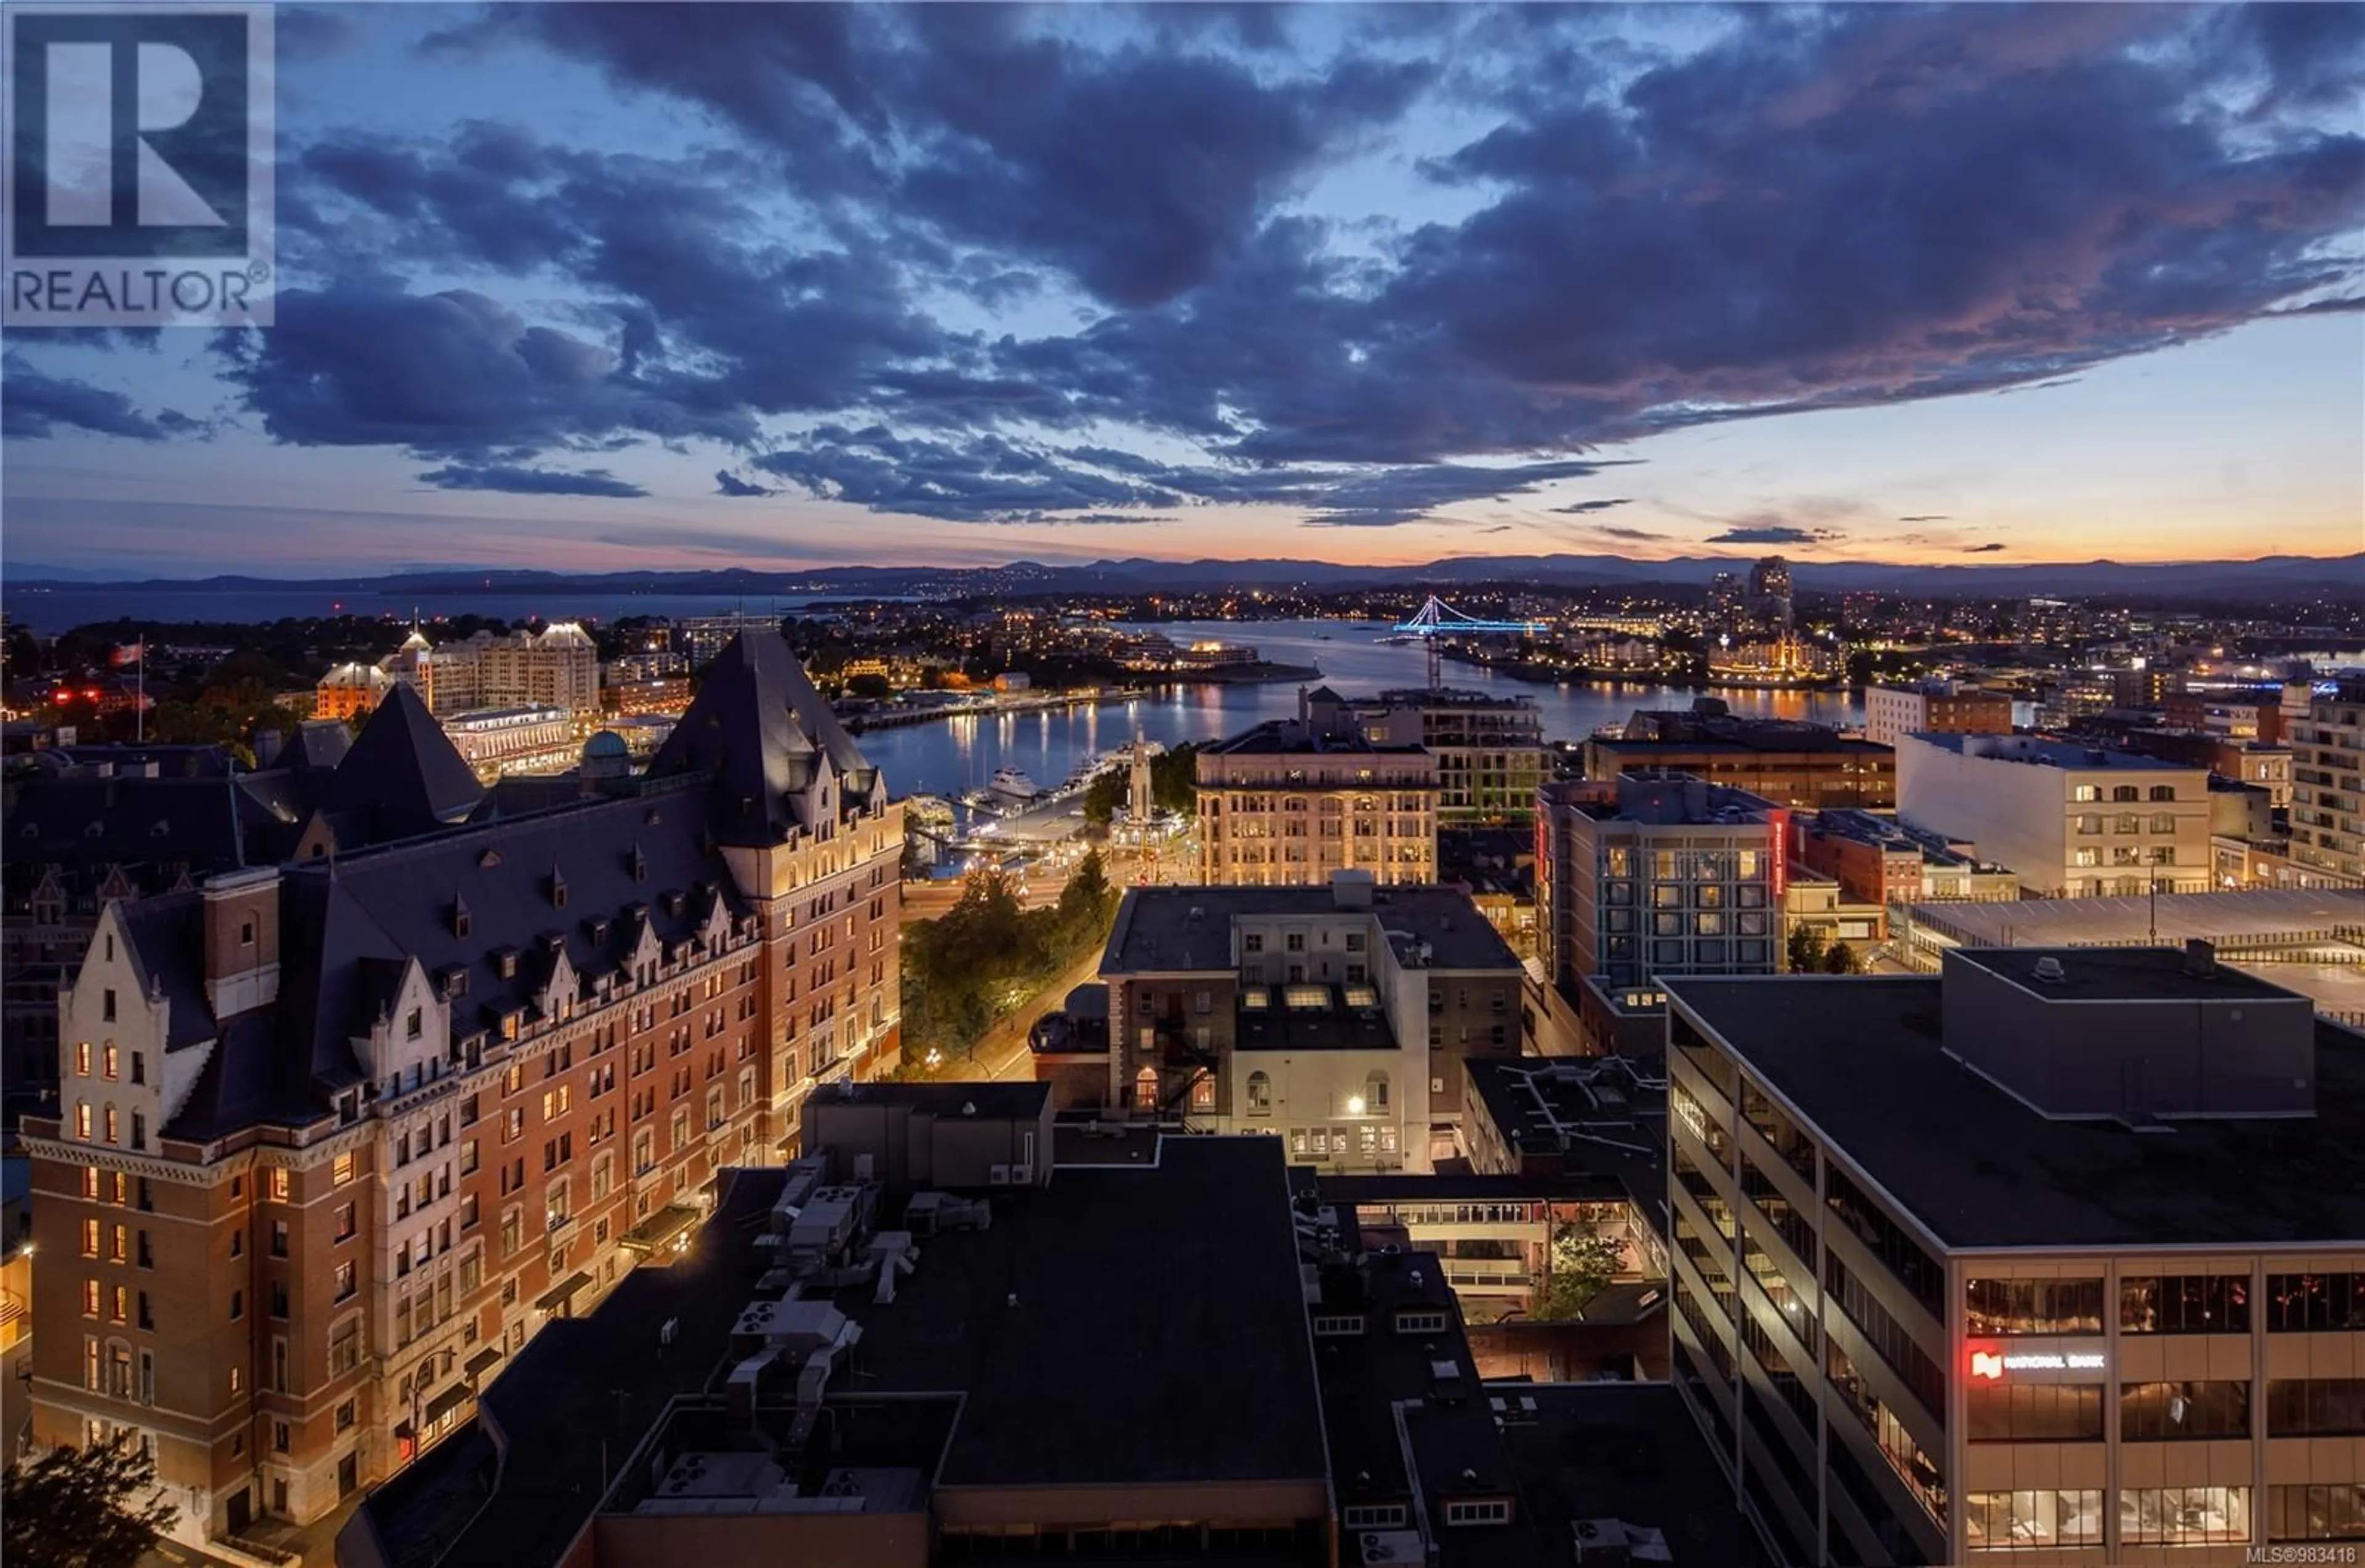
(999, 1176)
(1022, 1175)
(1374, 1546)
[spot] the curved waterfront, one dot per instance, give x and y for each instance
(962, 754)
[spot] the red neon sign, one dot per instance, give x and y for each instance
(1778, 827)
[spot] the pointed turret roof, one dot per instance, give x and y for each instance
(759, 727)
(403, 770)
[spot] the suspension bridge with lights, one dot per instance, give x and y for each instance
(1438, 619)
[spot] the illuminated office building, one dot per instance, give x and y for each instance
(2057, 1252)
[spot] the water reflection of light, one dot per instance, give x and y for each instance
(950, 757)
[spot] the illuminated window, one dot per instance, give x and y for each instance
(2031, 1521)
(2184, 1515)
(275, 1184)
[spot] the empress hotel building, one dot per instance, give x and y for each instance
(335, 1137)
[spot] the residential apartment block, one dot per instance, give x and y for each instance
(2327, 808)
(1292, 800)
(337, 1136)
(2054, 1255)
(2070, 819)
(1936, 707)
(1489, 750)
(1670, 875)
(1337, 1017)
(1879, 860)
(1805, 767)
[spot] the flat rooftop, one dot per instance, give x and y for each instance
(1288, 737)
(1860, 1058)
(1614, 1127)
(2040, 752)
(1779, 741)
(1120, 1326)
(1335, 1027)
(2279, 917)
(1451, 1187)
(1626, 1451)
(1156, 932)
(2122, 974)
(1884, 830)
(580, 1394)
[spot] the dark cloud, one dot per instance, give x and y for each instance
(35, 407)
(1870, 205)
(1499, 528)
(1819, 208)
(1138, 173)
(1983, 549)
(451, 374)
(303, 34)
(1925, 517)
(729, 484)
(981, 479)
(1635, 535)
(520, 481)
(1581, 507)
(1770, 533)
(990, 478)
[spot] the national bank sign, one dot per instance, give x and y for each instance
(2048, 1361)
(140, 167)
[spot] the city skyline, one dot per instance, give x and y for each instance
(815, 287)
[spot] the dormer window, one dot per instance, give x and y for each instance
(460, 920)
(487, 860)
(640, 866)
(506, 961)
(557, 890)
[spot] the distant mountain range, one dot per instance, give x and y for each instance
(2268, 576)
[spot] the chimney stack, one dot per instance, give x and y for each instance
(2199, 956)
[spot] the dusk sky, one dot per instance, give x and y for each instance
(614, 287)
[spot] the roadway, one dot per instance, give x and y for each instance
(1002, 1053)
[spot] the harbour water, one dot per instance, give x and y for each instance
(961, 755)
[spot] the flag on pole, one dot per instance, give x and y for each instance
(128, 654)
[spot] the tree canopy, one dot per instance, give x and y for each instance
(94, 1508)
(988, 954)
(1173, 786)
(1809, 953)
(1583, 1262)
